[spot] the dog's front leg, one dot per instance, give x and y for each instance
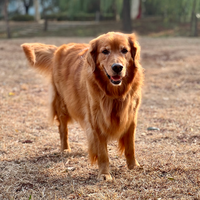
(98, 151)
(103, 160)
(128, 141)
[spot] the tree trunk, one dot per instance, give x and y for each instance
(194, 20)
(6, 18)
(98, 11)
(117, 17)
(26, 9)
(27, 5)
(195, 26)
(37, 10)
(139, 10)
(45, 22)
(126, 16)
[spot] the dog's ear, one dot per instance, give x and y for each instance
(135, 47)
(92, 54)
(39, 56)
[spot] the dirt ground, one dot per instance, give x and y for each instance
(32, 166)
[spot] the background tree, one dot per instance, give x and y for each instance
(37, 10)
(111, 7)
(194, 29)
(6, 18)
(48, 6)
(126, 16)
(176, 11)
(27, 4)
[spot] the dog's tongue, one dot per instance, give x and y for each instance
(116, 78)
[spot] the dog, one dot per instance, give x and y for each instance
(97, 85)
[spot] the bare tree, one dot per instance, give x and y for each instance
(6, 18)
(47, 5)
(27, 5)
(126, 16)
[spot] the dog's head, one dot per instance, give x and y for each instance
(114, 58)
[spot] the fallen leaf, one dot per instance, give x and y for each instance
(27, 141)
(24, 87)
(11, 93)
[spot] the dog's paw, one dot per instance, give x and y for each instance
(105, 177)
(133, 165)
(66, 151)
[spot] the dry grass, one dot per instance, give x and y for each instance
(32, 166)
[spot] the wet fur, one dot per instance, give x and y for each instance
(81, 91)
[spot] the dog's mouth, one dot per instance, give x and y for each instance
(115, 80)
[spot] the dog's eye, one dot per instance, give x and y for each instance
(106, 52)
(124, 51)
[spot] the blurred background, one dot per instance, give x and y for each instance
(167, 139)
(31, 18)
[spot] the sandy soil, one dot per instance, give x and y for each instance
(32, 166)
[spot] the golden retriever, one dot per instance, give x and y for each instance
(99, 86)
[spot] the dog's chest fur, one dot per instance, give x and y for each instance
(112, 116)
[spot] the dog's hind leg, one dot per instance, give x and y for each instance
(63, 118)
(63, 130)
(59, 111)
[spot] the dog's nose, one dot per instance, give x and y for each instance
(117, 67)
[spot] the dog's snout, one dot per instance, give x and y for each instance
(117, 67)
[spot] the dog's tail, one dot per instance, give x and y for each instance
(40, 56)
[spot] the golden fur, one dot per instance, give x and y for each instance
(85, 88)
